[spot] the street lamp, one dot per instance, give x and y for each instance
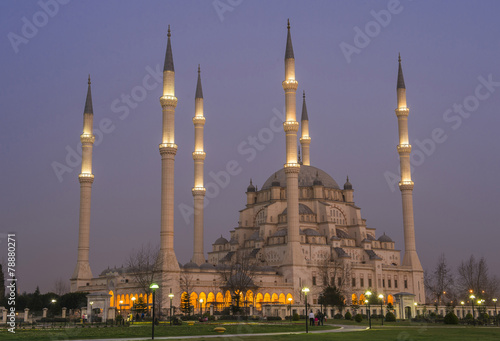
(496, 317)
(305, 290)
(472, 297)
(381, 297)
(291, 317)
(91, 303)
(201, 306)
(171, 296)
(368, 294)
(463, 312)
(153, 287)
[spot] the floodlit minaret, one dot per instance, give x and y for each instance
(82, 273)
(168, 149)
(292, 167)
(406, 185)
(305, 139)
(199, 160)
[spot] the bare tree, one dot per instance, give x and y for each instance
(145, 265)
(474, 275)
(187, 287)
(61, 287)
(237, 275)
(439, 283)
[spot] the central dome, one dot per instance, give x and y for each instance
(307, 175)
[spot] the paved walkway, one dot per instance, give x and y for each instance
(342, 329)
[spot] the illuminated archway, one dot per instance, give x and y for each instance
(127, 300)
(362, 299)
(282, 299)
(258, 301)
(390, 299)
(193, 299)
(204, 298)
(354, 299)
(274, 298)
(267, 298)
(112, 298)
(249, 297)
(227, 299)
(210, 298)
(288, 296)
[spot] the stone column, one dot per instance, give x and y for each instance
(63, 314)
(26, 311)
(45, 312)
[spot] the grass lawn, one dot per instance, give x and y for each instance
(145, 331)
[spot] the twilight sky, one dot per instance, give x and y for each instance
(450, 52)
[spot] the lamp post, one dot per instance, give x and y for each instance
(381, 297)
(153, 287)
(472, 297)
(478, 308)
(171, 296)
(201, 306)
(305, 290)
(291, 315)
(91, 304)
(368, 294)
(463, 312)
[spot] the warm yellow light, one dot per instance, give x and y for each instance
(494, 300)
(305, 290)
(53, 301)
(462, 302)
(121, 302)
(366, 301)
(201, 300)
(154, 286)
(415, 303)
(472, 296)
(290, 299)
(368, 293)
(171, 296)
(381, 296)
(133, 298)
(91, 303)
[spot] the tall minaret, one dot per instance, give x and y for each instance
(168, 149)
(292, 167)
(82, 273)
(199, 160)
(406, 185)
(305, 139)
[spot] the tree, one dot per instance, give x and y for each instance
(61, 287)
(331, 296)
(439, 284)
(336, 273)
(187, 287)
(474, 275)
(144, 266)
(237, 276)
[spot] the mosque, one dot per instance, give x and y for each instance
(301, 228)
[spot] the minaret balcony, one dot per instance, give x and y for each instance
(406, 185)
(168, 101)
(198, 191)
(168, 148)
(199, 120)
(292, 167)
(290, 84)
(87, 138)
(199, 155)
(305, 140)
(403, 111)
(404, 148)
(86, 177)
(291, 126)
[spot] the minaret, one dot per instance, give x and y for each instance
(168, 149)
(199, 160)
(305, 139)
(82, 273)
(292, 167)
(406, 185)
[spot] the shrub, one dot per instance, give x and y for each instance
(451, 318)
(358, 318)
(348, 316)
(177, 321)
(338, 316)
(295, 317)
(274, 318)
(468, 316)
(390, 317)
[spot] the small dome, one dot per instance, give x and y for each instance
(347, 184)
(221, 241)
(251, 187)
(311, 232)
(385, 239)
(317, 181)
(303, 209)
(191, 265)
(207, 266)
(276, 182)
(342, 234)
(233, 241)
(280, 233)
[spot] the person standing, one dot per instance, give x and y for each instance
(311, 318)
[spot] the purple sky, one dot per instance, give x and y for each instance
(446, 47)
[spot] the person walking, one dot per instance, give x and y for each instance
(311, 318)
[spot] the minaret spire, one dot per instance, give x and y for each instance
(305, 139)
(406, 184)
(198, 190)
(294, 256)
(82, 274)
(168, 150)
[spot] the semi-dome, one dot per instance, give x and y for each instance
(307, 175)
(303, 209)
(191, 265)
(221, 241)
(385, 239)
